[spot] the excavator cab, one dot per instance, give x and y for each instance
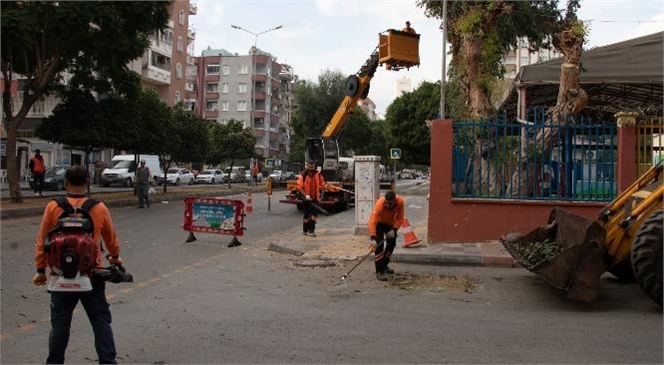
(325, 151)
(398, 50)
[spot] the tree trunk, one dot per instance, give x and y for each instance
(484, 172)
(571, 100)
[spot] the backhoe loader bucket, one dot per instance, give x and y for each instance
(568, 253)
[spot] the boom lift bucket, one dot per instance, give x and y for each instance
(568, 253)
(397, 49)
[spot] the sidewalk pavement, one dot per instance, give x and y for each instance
(336, 240)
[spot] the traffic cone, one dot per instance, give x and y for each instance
(409, 237)
(249, 208)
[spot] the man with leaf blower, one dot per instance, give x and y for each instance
(69, 243)
(309, 186)
(386, 219)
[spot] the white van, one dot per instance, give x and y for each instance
(123, 169)
(237, 174)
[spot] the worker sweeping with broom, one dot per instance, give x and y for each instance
(386, 218)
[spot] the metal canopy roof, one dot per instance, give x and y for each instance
(618, 76)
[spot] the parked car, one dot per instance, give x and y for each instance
(54, 178)
(212, 176)
(276, 175)
(237, 174)
(288, 175)
(177, 176)
(249, 179)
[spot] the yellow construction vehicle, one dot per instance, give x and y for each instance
(572, 252)
(396, 50)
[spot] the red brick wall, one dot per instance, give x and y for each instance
(472, 220)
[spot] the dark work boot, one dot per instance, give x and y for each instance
(381, 275)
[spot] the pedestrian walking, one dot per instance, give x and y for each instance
(38, 169)
(94, 302)
(310, 184)
(385, 220)
(143, 177)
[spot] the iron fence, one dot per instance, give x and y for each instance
(574, 159)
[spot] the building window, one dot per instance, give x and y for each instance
(180, 45)
(241, 106)
(181, 17)
(38, 107)
(178, 70)
(224, 88)
(211, 106)
(226, 70)
(224, 106)
(243, 70)
(213, 69)
(212, 87)
(160, 61)
(241, 88)
(177, 96)
(524, 60)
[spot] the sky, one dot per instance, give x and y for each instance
(318, 35)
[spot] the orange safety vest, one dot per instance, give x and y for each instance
(311, 185)
(38, 165)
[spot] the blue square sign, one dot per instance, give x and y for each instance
(395, 153)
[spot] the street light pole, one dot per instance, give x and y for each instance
(444, 73)
(253, 72)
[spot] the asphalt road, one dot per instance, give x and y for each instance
(202, 302)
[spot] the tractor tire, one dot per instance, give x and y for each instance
(351, 85)
(647, 255)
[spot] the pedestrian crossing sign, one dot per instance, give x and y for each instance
(395, 153)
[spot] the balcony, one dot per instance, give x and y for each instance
(260, 114)
(191, 34)
(211, 95)
(274, 136)
(189, 86)
(193, 8)
(161, 47)
(259, 77)
(260, 133)
(155, 75)
(211, 114)
(259, 95)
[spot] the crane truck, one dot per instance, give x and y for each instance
(571, 252)
(396, 50)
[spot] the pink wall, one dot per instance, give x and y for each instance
(472, 220)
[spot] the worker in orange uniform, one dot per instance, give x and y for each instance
(408, 29)
(38, 170)
(310, 183)
(386, 219)
(254, 173)
(94, 302)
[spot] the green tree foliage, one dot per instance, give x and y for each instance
(194, 136)
(317, 102)
(482, 32)
(406, 122)
(93, 41)
(230, 142)
(76, 122)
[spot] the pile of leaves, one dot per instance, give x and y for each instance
(534, 253)
(432, 283)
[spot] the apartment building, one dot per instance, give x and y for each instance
(253, 88)
(522, 56)
(369, 108)
(162, 68)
